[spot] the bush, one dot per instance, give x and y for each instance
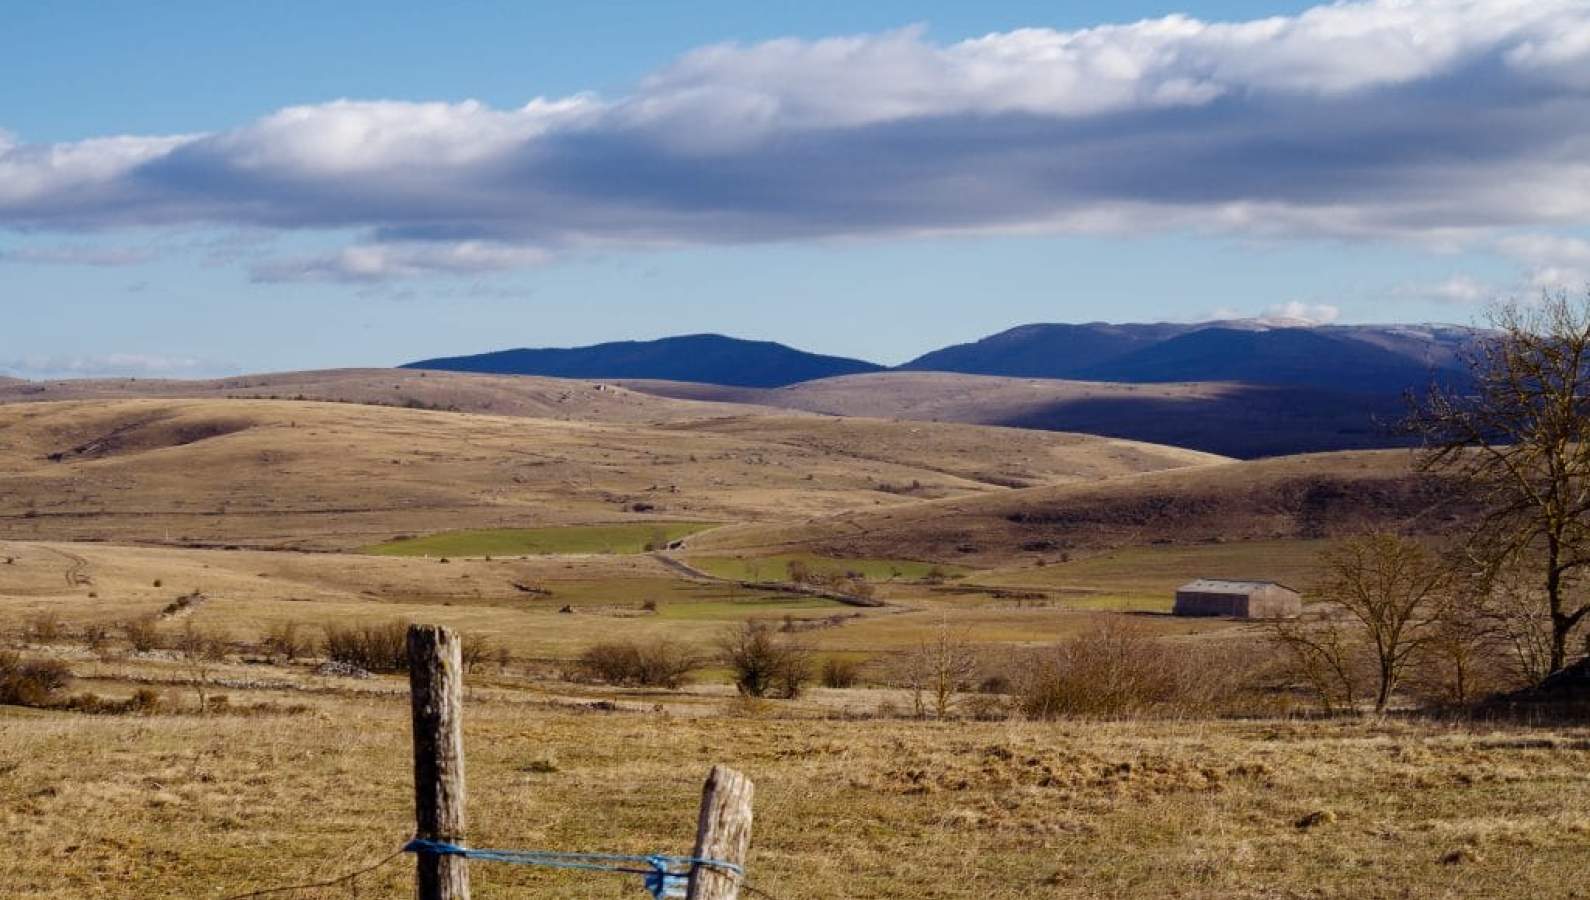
(1117, 670)
(839, 672)
(142, 634)
(652, 664)
(96, 635)
(374, 648)
(473, 650)
(44, 628)
(31, 682)
(286, 642)
(765, 665)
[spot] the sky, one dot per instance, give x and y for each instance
(191, 188)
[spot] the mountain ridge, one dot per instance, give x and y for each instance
(1371, 359)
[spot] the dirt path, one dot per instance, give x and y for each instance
(76, 573)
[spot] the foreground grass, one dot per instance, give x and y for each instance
(205, 807)
(629, 538)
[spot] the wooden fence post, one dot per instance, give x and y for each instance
(436, 678)
(722, 832)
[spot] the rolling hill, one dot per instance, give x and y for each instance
(290, 473)
(709, 358)
(1244, 421)
(1290, 498)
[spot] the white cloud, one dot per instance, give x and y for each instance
(1551, 261)
(1300, 312)
(1458, 290)
(384, 261)
(1440, 120)
(114, 365)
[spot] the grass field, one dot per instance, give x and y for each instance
(252, 510)
(634, 537)
(775, 567)
(182, 805)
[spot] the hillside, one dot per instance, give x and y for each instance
(326, 475)
(1243, 421)
(1366, 358)
(1292, 498)
(507, 395)
(709, 358)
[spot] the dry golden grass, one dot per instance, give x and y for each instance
(181, 805)
(337, 476)
(849, 805)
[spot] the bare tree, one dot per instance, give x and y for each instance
(1519, 434)
(938, 669)
(1389, 601)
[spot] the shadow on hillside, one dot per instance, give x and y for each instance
(1243, 421)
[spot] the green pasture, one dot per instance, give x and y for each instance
(625, 538)
(776, 567)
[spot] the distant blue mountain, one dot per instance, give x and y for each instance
(706, 358)
(1368, 359)
(1351, 358)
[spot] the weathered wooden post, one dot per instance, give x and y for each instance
(723, 832)
(436, 679)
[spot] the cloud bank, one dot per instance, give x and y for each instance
(113, 365)
(1438, 120)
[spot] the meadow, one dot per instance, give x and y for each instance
(633, 537)
(163, 549)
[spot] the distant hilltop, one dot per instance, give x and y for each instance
(1373, 359)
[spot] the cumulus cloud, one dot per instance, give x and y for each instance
(1302, 313)
(1429, 119)
(113, 365)
(1551, 261)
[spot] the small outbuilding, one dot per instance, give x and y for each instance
(1237, 599)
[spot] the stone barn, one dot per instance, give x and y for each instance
(1238, 599)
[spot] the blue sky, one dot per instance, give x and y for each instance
(198, 188)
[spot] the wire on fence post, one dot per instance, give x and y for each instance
(723, 832)
(436, 693)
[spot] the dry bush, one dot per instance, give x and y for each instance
(143, 634)
(374, 648)
(287, 642)
(839, 672)
(1117, 670)
(44, 628)
(650, 664)
(764, 664)
(195, 644)
(474, 650)
(96, 635)
(25, 682)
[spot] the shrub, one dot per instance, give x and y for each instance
(286, 642)
(142, 634)
(375, 648)
(839, 672)
(44, 628)
(765, 665)
(1117, 670)
(96, 635)
(473, 650)
(652, 664)
(31, 682)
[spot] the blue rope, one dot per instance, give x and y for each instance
(662, 873)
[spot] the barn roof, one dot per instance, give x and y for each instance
(1228, 586)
